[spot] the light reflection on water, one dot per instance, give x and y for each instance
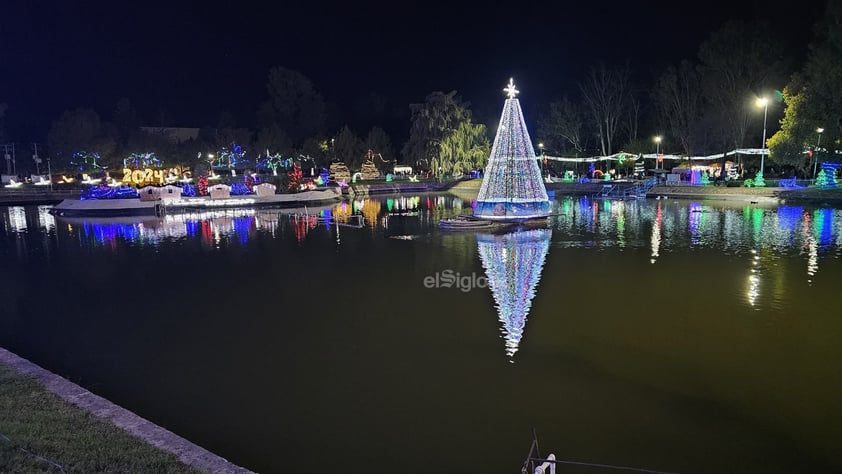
(659, 305)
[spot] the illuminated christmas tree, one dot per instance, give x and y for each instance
(826, 177)
(512, 187)
(513, 264)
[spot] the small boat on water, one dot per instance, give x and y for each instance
(473, 224)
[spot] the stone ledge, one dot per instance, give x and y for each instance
(187, 452)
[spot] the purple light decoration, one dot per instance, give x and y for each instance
(695, 178)
(513, 264)
(512, 186)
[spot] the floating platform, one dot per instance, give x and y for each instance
(477, 224)
(136, 207)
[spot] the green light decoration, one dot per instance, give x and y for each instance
(821, 179)
(748, 183)
(704, 179)
(621, 159)
(779, 96)
(759, 182)
(825, 179)
(568, 176)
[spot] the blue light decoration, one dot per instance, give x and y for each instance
(513, 264)
(827, 176)
(325, 175)
(142, 160)
(239, 189)
(242, 226)
(696, 178)
(233, 158)
(591, 169)
(789, 217)
(85, 161)
(188, 190)
(271, 163)
(823, 226)
(100, 192)
(512, 187)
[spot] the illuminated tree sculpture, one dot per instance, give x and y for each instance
(295, 178)
(512, 187)
(513, 264)
(822, 179)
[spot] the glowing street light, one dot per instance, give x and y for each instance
(657, 150)
(816, 154)
(762, 102)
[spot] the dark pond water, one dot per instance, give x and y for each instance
(662, 334)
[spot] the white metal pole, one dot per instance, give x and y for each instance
(816, 155)
(763, 148)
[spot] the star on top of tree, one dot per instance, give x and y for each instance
(510, 89)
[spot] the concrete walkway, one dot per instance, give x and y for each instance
(187, 452)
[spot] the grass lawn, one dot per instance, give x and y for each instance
(39, 432)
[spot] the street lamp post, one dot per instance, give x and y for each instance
(816, 154)
(763, 102)
(657, 150)
(543, 163)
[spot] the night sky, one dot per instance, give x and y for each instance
(199, 58)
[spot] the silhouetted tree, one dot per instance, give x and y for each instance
(76, 130)
(439, 115)
(813, 98)
(606, 94)
(294, 105)
(379, 142)
(739, 62)
(349, 148)
(678, 97)
(563, 126)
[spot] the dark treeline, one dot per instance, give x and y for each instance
(700, 106)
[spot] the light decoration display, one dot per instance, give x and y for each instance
(140, 177)
(188, 190)
(99, 192)
(202, 188)
(695, 178)
(826, 177)
(512, 186)
(240, 189)
(141, 160)
(273, 162)
(85, 161)
(233, 158)
(513, 264)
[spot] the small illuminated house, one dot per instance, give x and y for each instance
(512, 187)
(149, 193)
(170, 193)
(264, 189)
(219, 191)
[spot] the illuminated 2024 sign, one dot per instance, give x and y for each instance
(139, 177)
(147, 176)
